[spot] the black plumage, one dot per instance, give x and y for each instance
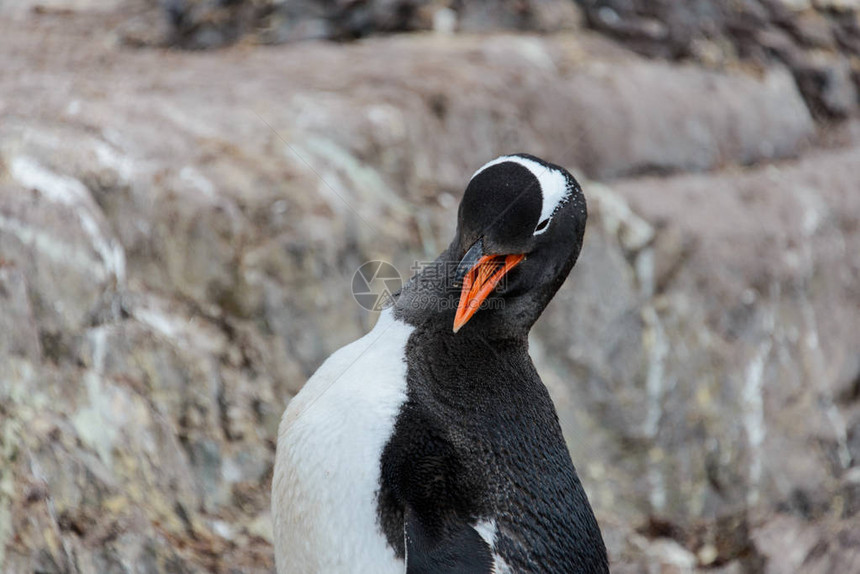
(478, 438)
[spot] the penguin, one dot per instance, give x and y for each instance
(431, 445)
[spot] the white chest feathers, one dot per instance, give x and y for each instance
(327, 472)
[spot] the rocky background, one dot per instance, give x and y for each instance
(179, 230)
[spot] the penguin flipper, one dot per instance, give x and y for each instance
(454, 549)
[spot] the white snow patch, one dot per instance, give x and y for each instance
(444, 21)
(199, 181)
(58, 251)
(654, 382)
(753, 416)
(199, 335)
(98, 337)
(819, 375)
(815, 209)
(619, 220)
(98, 423)
(124, 166)
(658, 349)
(71, 192)
(158, 321)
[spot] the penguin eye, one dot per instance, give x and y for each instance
(541, 227)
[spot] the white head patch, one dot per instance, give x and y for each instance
(553, 185)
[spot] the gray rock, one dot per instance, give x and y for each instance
(22, 8)
(19, 335)
(718, 32)
(650, 117)
(813, 29)
(761, 320)
(53, 231)
(202, 24)
(827, 84)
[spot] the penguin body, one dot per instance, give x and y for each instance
(431, 445)
(327, 472)
(478, 457)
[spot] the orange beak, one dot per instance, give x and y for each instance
(480, 281)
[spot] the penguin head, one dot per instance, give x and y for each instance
(519, 232)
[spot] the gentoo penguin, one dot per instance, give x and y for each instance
(430, 445)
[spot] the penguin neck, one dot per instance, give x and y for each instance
(430, 298)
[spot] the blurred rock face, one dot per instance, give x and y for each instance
(178, 235)
(818, 41)
(201, 24)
